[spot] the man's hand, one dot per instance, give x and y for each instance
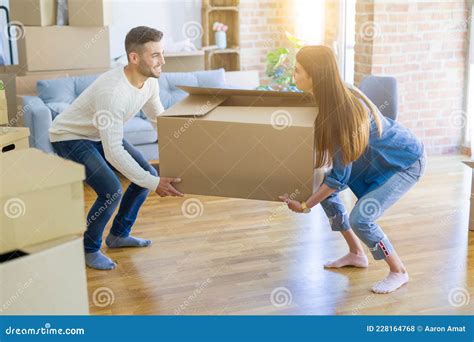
(165, 187)
(293, 205)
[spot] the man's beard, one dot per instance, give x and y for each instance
(147, 71)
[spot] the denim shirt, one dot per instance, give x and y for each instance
(396, 150)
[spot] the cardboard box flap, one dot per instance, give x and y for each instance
(198, 105)
(469, 163)
(30, 170)
(240, 92)
(278, 117)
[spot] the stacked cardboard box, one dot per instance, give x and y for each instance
(14, 138)
(43, 46)
(42, 269)
(90, 12)
(11, 138)
(34, 12)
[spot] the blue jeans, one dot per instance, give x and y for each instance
(101, 177)
(370, 207)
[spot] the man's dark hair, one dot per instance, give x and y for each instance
(140, 35)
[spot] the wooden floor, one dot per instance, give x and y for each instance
(248, 257)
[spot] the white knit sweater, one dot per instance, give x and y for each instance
(100, 113)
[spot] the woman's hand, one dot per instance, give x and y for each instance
(293, 205)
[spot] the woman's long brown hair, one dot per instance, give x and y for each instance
(342, 122)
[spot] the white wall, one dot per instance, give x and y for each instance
(169, 16)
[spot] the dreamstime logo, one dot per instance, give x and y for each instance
(193, 296)
(369, 31)
(281, 297)
(458, 297)
(18, 293)
(95, 38)
(362, 304)
(102, 119)
(364, 128)
(458, 119)
(103, 296)
(370, 208)
(192, 30)
(14, 208)
(192, 208)
(281, 119)
(280, 208)
(201, 110)
(16, 30)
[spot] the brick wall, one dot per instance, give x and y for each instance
(262, 29)
(424, 45)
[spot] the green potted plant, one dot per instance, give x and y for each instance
(280, 66)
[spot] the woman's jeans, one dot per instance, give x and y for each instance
(370, 207)
(101, 177)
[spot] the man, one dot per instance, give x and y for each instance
(90, 132)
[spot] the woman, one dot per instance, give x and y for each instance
(377, 158)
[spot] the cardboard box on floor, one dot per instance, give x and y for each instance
(239, 143)
(90, 12)
(471, 211)
(52, 48)
(34, 12)
(14, 138)
(45, 279)
(42, 198)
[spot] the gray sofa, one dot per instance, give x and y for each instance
(54, 95)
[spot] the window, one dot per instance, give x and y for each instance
(469, 133)
(312, 20)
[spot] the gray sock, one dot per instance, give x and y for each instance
(99, 261)
(113, 241)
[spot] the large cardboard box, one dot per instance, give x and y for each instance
(90, 12)
(10, 69)
(14, 138)
(34, 12)
(239, 143)
(45, 279)
(41, 196)
(9, 84)
(471, 211)
(64, 47)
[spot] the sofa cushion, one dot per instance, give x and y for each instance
(138, 131)
(168, 81)
(57, 107)
(82, 82)
(60, 90)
